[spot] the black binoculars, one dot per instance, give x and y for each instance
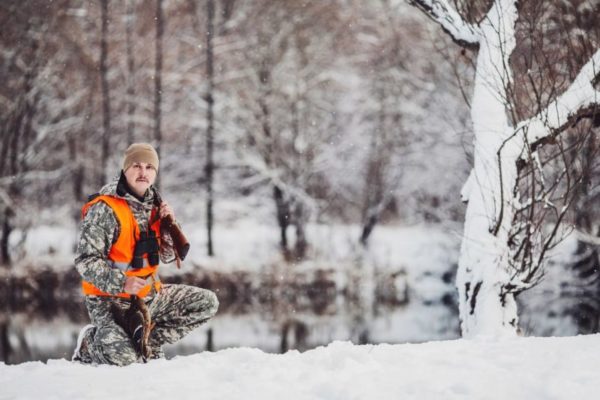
(146, 244)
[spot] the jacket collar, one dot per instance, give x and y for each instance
(118, 188)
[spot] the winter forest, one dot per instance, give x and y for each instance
(372, 171)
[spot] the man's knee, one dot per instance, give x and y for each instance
(206, 303)
(114, 347)
(213, 303)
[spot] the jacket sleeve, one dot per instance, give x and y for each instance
(98, 232)
(167, 250)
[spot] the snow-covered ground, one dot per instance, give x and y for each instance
(515, 368)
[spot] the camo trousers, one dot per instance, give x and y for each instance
(176, 311)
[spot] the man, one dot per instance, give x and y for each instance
(117, 257)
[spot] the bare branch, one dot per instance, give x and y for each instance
(462, 33)
(580, 100)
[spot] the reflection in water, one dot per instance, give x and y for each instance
(37, 339)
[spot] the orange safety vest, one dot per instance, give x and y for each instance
(121, 252)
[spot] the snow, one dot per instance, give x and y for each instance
(48, 243)
(251, 245)
(579, 95)
(516, 368)
(450, 20)
(482, 269)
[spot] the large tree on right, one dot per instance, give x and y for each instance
(522, 105)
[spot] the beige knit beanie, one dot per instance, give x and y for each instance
(140, 152)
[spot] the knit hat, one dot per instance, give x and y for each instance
(140, 152)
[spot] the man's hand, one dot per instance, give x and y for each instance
(166, 210)
(133, 284)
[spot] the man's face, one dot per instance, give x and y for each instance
(139, 177)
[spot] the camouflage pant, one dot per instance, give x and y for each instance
(176, 311)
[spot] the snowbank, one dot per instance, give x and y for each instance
(518, 368)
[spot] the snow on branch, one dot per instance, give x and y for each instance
(463, 33)
(580, 100)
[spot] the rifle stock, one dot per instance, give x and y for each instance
(180, 242)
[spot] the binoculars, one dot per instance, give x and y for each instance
(146, 244)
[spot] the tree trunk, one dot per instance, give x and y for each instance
(374, 197)
(4, 140)
(490, 274)
(281, 203)
(368, 225)
(14, 143)
(5, 345)
(209, 166)
(283, 218)
(77, 170)
(210, 344)
(487, 304)
(158, 81)
(6, 230)
(30, 103)
(129, 29)
(28, 131)
(301, 243)
(105, 91)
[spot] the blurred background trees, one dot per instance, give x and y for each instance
(323, 108)
(286, 113)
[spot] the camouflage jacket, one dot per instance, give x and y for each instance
(100, 230)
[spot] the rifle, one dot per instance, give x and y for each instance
(180, 242)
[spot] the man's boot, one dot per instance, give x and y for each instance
(81, 353)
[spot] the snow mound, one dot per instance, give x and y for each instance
(517, 368)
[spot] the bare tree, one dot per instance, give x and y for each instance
(388, 79)
(498, 258)
(36, 146)
(284, 86)
(17, 124)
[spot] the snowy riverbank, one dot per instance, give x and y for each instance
(517, 368)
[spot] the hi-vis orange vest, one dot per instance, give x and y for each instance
(121, 252)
